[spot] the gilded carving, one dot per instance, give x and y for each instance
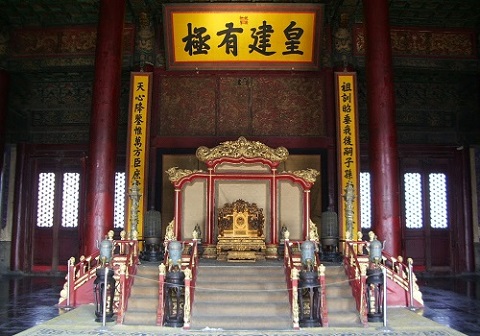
(242, 148)
(169, 233)
(313, 232)
(175, 173)
(240, 232)
(309, 175)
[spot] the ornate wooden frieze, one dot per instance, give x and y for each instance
(424, 42)
(59, 47)
(61, 42)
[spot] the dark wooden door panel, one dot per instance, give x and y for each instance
(429, 242)
(53, 244)
(416, 250)
(68, 246)
(440, 249)
(42, 249)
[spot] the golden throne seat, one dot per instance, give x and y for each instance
(241, 232)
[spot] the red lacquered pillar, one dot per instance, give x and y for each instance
(4, 80)
(383, 150)
(104, 124)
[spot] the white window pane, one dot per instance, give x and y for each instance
(413, 200)
(365, 201)
(70, 199)
(45, 202)
(438, 200)
(119, 207)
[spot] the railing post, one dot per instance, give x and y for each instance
(71, 282)
(162, 271)
(363, 294)
(294, 275)
(187, 306)
(410, 283)
(123, 293)
(323, 295)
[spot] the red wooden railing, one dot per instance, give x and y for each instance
(292, 263)
(293, 266)
(78, 288)
(189, 267)
(402, 288)
(125, 264)
(401, 281)
(323, 294)
(190, 279)
(356, 270)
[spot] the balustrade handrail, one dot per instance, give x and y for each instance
(190, 278)
(124, 263)
(396, 270)
(189, 266)
(402, 274)
(292, 269)
(356, 272)
(125, 252)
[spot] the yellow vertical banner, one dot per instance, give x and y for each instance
(348, 154)
(137, 152)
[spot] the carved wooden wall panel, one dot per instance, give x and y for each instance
(288, 106)
(236, 105)
(187, 106)
(234, 116)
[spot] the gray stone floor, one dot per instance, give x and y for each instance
(29, 301)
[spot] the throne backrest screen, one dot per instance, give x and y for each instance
(240, 219)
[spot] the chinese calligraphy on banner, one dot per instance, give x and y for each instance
(348, 148)
(243, 36)
(140, 93)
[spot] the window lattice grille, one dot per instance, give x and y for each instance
(70, 199)
(119, 207)
(413, 200)
(438, 200)
(365, 201)
(46, 199)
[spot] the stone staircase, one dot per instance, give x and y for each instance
(143, 301)
(342, 311)
(241, 296)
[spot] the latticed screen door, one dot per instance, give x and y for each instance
(426, 219)
(56, 219)
(58, 216)
(427, 216)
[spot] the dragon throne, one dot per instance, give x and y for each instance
(241, 232)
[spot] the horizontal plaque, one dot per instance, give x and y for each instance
(243, 36)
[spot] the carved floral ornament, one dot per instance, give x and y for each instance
(309, 175)
(246, 149)
(175, 173)
(242, 148)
